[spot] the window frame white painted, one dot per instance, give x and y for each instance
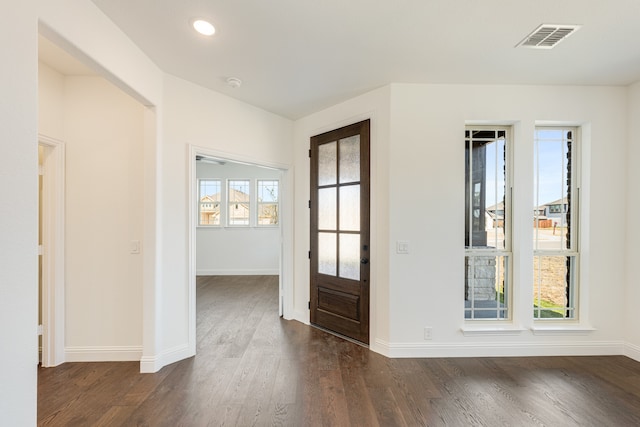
(229, 202)
(220, 202)
(507, 226)
(574, 205)
(258, 203)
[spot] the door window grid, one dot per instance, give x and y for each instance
(556, 222)
(487, 222)
(339, 218)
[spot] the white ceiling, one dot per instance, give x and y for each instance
(296, 57)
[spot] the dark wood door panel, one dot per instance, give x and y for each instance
(339, 209)
(340, 303)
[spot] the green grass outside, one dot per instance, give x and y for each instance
(547, 310)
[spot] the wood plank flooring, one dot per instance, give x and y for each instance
(255, 369)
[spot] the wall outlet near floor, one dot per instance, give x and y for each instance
(428, 333)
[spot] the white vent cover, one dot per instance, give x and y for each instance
(547, 36)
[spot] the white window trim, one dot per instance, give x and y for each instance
(499, 326)
(198, 198)
(228, 204)
(257, 204)
(570, 325)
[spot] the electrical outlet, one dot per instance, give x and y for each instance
(428, 333)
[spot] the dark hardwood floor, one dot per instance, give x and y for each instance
(254, 368)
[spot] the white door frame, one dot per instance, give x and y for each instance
(286, 231)
(53, 219)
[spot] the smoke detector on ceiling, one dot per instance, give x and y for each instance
(547, 36)
(234, 82)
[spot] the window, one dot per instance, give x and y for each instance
(555, 236)
(267, 205)
(209, 202)
(487, 223)
(239, 202)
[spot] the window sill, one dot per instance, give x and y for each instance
(562, 330)
(473, 331)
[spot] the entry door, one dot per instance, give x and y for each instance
(340, 231)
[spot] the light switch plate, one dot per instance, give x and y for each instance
(402, 247)
(134, 247)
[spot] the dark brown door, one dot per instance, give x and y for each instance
(340, 231)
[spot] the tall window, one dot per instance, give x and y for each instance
(209, 202)
(239, 202)
(487, 223)
(267, 202)
(555, 223)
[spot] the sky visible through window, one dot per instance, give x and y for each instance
(550, 168)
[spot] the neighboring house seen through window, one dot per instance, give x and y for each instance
(555, 224)
(267, 203)
(239, 199)
(209, 202)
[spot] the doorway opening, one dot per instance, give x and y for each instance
(51, 251)
(240, 226)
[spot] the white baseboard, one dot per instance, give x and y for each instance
(498, 349)
(632, 351)
(301, 316)
(151, 364)
(246, 272)
(103, 354)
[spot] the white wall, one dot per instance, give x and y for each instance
(197, 116)
(427, 173)
(19, 213)
(237, 250)
(375, 106)
(82, 29)
(420, 165)
(205, 118)
(230, 128)
(50, 102)
(632, 321)
(102, 129)
(103, 134)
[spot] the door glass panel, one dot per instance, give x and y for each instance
(350, 208)
(327, 163)
(327, 209)
(350, 159)
(327, 257)
(350, 256)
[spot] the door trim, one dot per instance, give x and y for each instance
(53, 275)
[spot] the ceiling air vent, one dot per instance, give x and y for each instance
(547, 36)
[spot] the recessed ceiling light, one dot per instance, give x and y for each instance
(203, 27)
